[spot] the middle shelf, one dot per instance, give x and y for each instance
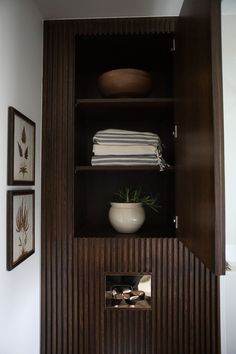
(122, 168)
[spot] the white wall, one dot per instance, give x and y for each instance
(229, 88)
(20, 86)
(108, 8)
(228, 283)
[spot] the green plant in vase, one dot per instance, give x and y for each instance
(127, 213)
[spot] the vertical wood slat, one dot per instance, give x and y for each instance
(58, 258)
(164, 297)
(175, 256)
(186, 302)
(68, 110)
(191, 305)
(202, 307)
(208, 315)
(197, 305)
(55, 240)
(57, 233)
(70, 319)
(157, 326)
(44, 245)
(181, 298)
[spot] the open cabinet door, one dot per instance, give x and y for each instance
(199, 142)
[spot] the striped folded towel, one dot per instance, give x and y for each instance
(122, 150)
(126, 137)
(128, 160)
(116, 147)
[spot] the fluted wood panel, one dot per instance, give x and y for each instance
(57, 191)
(120, 25)
(184, 314)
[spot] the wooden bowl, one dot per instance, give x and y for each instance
(125, 83)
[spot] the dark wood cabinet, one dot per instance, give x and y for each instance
(79, 247)
(199, 116)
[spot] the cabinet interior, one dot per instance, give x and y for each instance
(95, 186)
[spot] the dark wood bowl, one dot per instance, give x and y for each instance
(125, 83)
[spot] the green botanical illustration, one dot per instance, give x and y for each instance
(23, 152)
(22, 226)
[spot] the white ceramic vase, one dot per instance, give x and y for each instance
(126, 218)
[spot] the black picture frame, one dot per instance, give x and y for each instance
(20, 226)
(21, 149)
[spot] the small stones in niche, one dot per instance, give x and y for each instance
(134, 298)
(126, 291)
(114, 292)
(126, 297)
(139, 293)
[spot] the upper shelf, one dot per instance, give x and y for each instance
(124, 102)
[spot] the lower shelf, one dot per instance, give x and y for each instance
(94, 192)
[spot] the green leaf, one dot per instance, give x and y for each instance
(136, 195)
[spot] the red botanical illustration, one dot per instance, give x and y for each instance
(22, 226)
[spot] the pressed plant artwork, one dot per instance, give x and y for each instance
(22, 227)
(21, 149)
(20, 235)
(23, 153)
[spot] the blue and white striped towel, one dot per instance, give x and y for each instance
(128, 160)
(103, 150)
(116, 147)
(126, 137)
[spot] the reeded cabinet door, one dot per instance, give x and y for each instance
(199, 145)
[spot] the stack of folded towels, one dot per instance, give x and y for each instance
(114, 147)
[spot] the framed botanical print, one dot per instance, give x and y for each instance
(20, 226)
(21, 149)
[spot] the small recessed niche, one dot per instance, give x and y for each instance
(128, 291)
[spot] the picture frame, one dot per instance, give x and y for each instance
(20, 226)
(21, 149)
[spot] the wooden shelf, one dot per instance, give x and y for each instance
(121, 168)
(123, 102)
(124, 236)
(109, 232)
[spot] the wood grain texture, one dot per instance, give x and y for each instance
(179, 309)
(199, 147)
(185, 308)
(133, 25)
(57, 193)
